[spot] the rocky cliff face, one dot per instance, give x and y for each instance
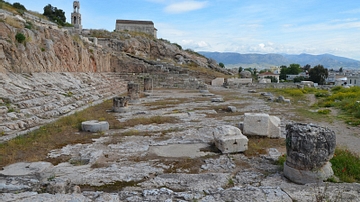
(48, 48)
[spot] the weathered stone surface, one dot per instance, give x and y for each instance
(262, 125)
(309, 147)
(24, 176)
(23, 168)
(120, 104)
(231, 108)
(218, 82)
(133, 92)
(217, 99)
(245, 74)
(94, 126)
(308, 176)
(148, 84)
(229, 139)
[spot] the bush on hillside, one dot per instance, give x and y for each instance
(20, 37)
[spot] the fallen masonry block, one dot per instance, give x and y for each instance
(262, 125)
(94, 126)
(229, 139)
(217, 99)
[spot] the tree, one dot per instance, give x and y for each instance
(255, 71)
(55, 14)
(298, 79)
(318, 74)
(341, 69)
(221, 65)
(283, 72)
(19, 6)
(240, 70)
(306, 67)
(292, 69)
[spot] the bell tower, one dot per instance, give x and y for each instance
(76, 16)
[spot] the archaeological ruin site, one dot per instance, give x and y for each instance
(92, 115)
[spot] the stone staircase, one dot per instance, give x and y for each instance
(28, 101)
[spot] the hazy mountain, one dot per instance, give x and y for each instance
(266, 60)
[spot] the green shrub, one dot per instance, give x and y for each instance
(28, 25)
(20, 37)
(324, 111)
(322, 94)
(281, 160)
(345, 165)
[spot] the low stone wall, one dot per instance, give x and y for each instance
(28, 101)
(164, 80)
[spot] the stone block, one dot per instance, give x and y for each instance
(231, 109)
(229, 139)
(217, 99)
(262, 125)
(218, 82)
(94, 126)
(274, 130)
(308, 176)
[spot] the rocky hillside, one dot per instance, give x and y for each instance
(47, 72)
(47, 48)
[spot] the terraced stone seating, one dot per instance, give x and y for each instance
(30, 100)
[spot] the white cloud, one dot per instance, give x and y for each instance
(185, 6)
(195, 44)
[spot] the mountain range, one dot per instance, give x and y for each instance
(266, 60)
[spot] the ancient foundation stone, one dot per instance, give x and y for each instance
(262, 125)
(148, 84)
(218, 82)
(94, 126)
(133, 92)
(120, 104)
(229, 139)
(309, 149)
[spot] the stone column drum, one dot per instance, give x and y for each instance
(133, 92)
(148, 84)
(120, 104)
(309, 149)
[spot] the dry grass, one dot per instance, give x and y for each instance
(184, 165)
(13, 22)
(36, 145)
(259, 145)
(148, 120)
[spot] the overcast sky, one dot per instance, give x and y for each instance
(243, 26)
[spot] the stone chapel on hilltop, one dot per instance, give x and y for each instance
(136, 26)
